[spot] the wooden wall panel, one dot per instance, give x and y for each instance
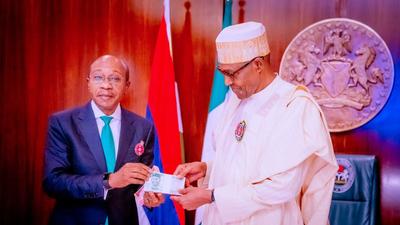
(283, 19)
(194, 24)
(46, 47)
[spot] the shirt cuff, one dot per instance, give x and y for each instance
(105, 193)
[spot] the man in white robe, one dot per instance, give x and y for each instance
(274, 162)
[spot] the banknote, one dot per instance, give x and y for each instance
(164, 183)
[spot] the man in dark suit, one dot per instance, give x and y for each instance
(98, 155)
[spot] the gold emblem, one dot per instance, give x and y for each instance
(346, 66)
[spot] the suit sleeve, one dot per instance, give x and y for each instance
(59, 181)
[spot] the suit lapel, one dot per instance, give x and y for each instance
(90, 133)
(126, 136)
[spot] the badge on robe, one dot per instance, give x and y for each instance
(240, 129)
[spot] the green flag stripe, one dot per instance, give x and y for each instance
(218, 91)
(227, 20)
(219, 88)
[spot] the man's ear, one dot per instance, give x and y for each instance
(128, 83)
(87, 82)
(259, 64)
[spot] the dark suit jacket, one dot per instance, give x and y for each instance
(75, 164)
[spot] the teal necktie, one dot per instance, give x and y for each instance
(107, 141)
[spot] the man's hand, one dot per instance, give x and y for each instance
(192, 171)
(151, 199)
(193, 197)
(130, 173)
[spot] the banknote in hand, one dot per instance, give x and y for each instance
(164, 183)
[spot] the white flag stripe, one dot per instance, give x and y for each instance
(143, 220)
(168, 25)
(178, 109)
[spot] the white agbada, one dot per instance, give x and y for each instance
(283, 169)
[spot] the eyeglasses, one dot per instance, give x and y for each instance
(98, 78)
(232, 74)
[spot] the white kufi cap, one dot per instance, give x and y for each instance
(241, 43)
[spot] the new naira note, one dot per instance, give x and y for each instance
(164, 183)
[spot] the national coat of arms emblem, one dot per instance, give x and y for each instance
(347, 67)
(344, 176)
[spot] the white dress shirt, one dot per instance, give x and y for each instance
(115, 126)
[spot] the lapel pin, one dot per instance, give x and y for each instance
(139, 148)
(240, 129)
